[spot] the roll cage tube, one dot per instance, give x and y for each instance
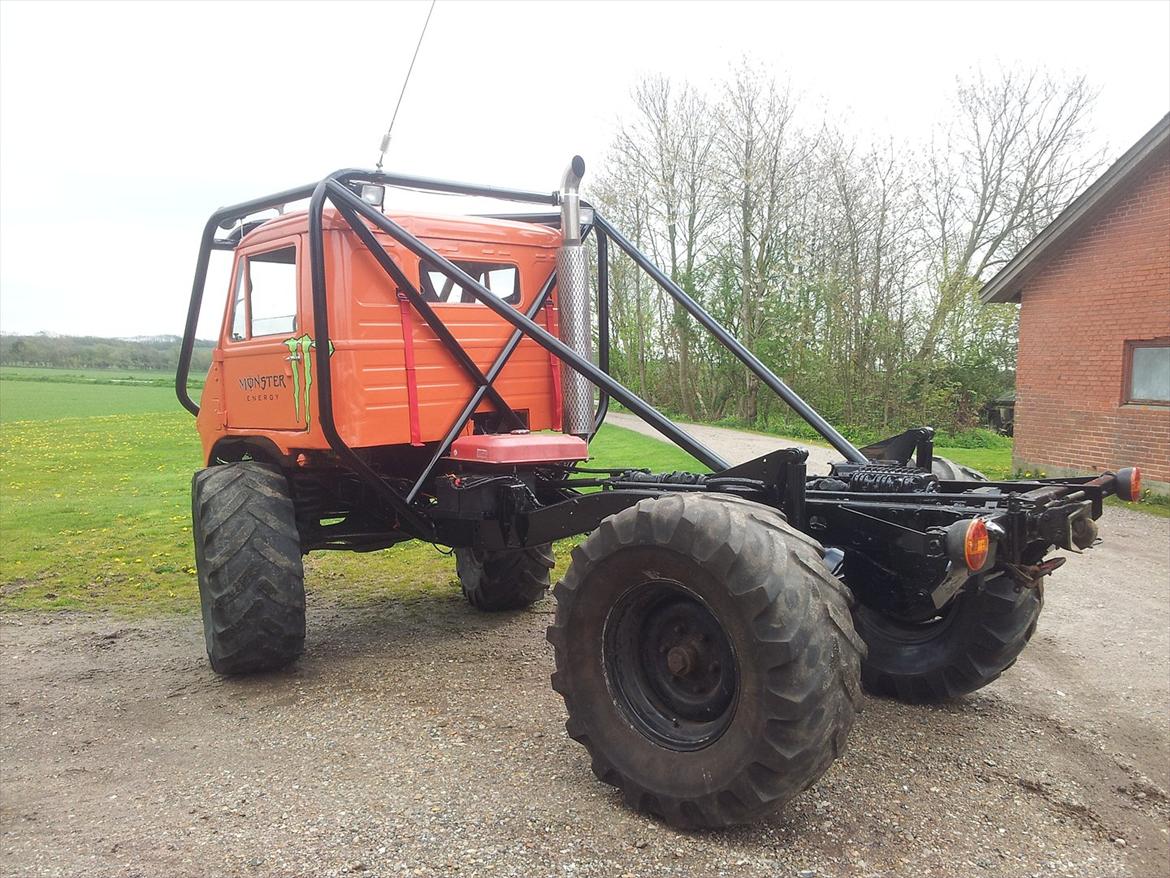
(209, 242)
(338, 192)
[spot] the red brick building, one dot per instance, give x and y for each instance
(1093, 374)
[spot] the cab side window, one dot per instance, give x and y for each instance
(265, 299)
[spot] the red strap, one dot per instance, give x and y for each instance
(558, 402)
(411, 379)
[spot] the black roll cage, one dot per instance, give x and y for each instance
(902, 521)
(338, 189)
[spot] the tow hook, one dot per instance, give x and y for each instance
(1031, 575)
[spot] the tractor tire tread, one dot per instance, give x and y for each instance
(251, 577)
(511, 579)
(998, 618)
(775, 575)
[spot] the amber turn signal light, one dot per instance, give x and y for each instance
(969, 543)
(976, 542)
(1129, 484)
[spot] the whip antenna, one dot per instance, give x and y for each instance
(405, 82)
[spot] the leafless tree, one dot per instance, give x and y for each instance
(667, 147)
(1014, 158)
(758, 160)
(850, 269)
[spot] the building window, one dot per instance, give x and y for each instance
(1147, 372)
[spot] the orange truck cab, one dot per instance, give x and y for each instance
(400, 384)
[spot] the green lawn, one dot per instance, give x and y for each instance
(33, 393)
(995, 463)
(23, 400)
(95, 505)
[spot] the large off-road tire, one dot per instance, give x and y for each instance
(974, 640)
(510, 579)
(248, 554)
(706, 657)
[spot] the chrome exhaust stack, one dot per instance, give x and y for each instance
(574, 305)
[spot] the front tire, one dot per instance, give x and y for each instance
(977, 637)
(248, 555)
(706, 658)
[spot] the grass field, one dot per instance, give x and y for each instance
(29, 393)
(24, 400)
(95, 504)
(995, 463)
(129, 377)
(87, 376)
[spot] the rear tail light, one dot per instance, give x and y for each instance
(1129, 484)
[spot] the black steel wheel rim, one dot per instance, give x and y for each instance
(670, 666)
(906, 632)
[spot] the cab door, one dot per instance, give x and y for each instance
(265, 347)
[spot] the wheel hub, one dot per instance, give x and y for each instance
(681, 661)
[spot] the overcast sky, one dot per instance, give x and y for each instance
(122, 126)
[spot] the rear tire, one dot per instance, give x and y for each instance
(248, 554)
(978, 637)
(508, 579)
(950, 471)
(706, 657)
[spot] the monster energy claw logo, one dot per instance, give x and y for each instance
(300, 349)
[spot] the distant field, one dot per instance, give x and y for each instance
(131, 377)
(22, 399)
(28, 392)
(103, 376)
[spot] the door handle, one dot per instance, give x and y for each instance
(293, 357)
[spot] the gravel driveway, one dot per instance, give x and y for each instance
(735, 446)
(422, 738)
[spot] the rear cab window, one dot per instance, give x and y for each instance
(502, 279)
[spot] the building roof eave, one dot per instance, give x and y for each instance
(1007, 284)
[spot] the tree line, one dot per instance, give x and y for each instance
(852, 270)
(89, 352)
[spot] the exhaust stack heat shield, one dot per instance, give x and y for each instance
(574, 305)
